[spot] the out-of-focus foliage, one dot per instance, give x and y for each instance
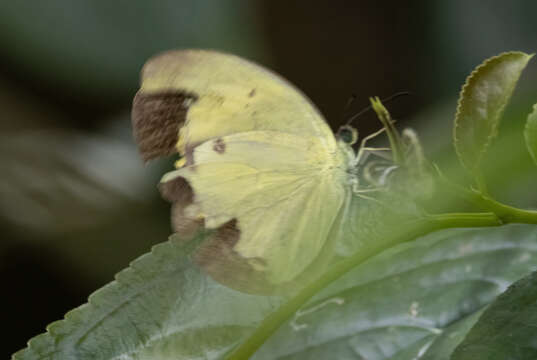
(530, 133)
(93, 51)
(78, 178)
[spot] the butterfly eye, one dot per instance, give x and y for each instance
(347, 134)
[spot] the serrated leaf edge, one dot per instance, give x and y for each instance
(94, 298)
(470, 80)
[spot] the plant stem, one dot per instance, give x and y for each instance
(505, 213)
(508, 214)
(407, 233)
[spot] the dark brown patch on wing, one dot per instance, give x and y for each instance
(179, 192)
(252, 93)
(156, 120)
(219, 146)
(217, 257)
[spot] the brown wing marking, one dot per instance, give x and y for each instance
(215, 255)
(180, 194)
(218, 259)
(156, 120)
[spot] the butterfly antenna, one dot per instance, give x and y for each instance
(385, 100)
(350, 101)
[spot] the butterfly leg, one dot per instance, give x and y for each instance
(363, 150)
(360, 194)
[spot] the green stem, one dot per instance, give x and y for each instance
(508, 214)
(505, 213)
(408, 233)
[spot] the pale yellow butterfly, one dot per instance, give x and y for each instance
(259, 165)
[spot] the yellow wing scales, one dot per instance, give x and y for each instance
(233, 95)
(285, 204)
(260, 165)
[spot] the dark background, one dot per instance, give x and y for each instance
(76, 202)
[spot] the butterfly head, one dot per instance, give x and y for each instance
(347, 134)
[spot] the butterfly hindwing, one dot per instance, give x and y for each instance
(284, 206)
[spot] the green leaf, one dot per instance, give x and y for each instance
(530, 133)
(161, 307)
(483, 98)
(508, 329)
(415, 301)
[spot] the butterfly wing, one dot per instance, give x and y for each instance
(282, 192)
(205, 94)
(260, 165)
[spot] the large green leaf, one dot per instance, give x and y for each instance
(508, 329)
(416, 301)
(161, 307)
(483, 98)
(530, 133)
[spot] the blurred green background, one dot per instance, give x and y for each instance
(76, 202)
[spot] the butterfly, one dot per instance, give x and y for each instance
(259, 166)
